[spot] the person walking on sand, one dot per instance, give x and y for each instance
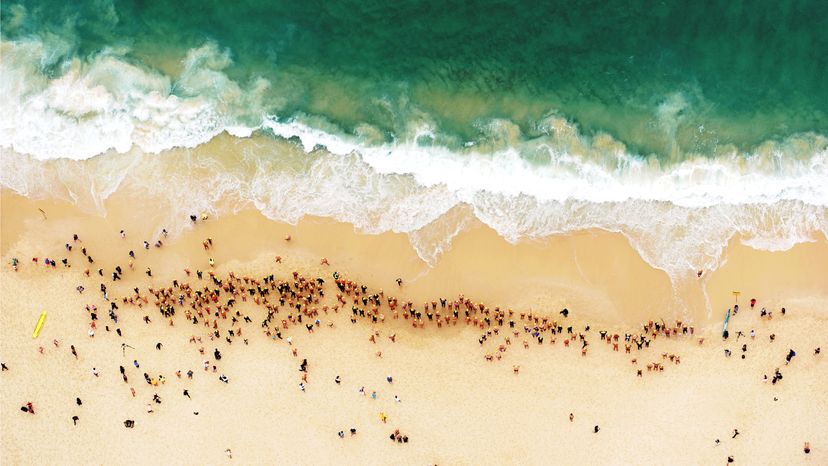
(791, 354)
(735, 433)
(75, 420)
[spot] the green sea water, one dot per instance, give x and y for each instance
(664, 78)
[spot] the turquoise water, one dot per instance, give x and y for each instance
(664, 78)
(677, 124)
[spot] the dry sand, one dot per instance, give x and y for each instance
(456, 407)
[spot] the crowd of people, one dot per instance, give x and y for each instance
(231, 308)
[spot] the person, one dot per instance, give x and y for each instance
(3, 366)
(158, 346)
(74, 352)
(337, 380)
(596, 429)
(735, 433)
(75, 420)
(78, 401)
(571, 417)
(807, 448)
(229, 453)
(791, 354)
(187, 393)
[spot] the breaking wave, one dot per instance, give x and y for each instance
(82, 129)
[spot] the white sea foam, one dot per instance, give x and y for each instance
(679, 216)
(106, 103)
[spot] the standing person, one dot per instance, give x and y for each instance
(791, 354)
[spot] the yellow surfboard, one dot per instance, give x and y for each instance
(39, 324)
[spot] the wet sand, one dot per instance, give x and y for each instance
(456, 407)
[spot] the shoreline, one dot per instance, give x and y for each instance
(595, 270)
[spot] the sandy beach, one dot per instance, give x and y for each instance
(455, 407)
(413, 233)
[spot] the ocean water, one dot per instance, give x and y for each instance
(677, 124)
